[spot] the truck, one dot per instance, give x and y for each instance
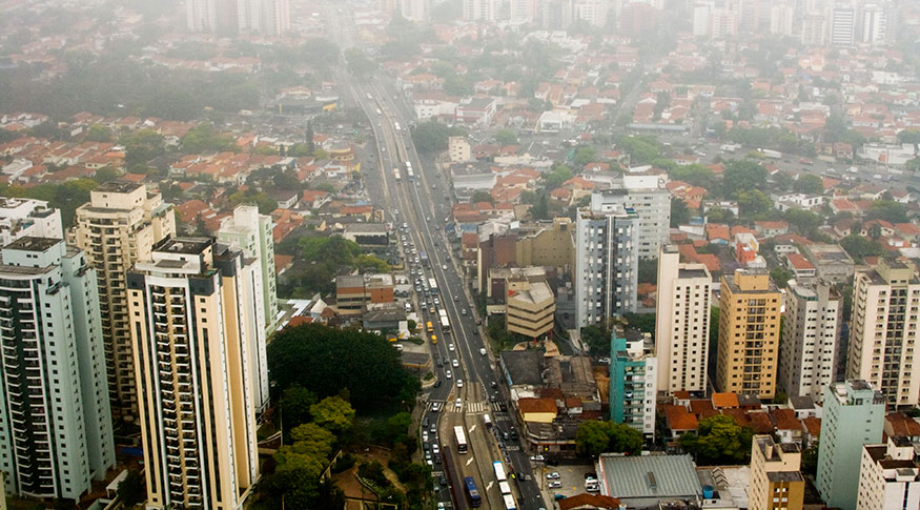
(423, 258)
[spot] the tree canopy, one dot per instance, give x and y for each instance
(431, 137)
(719, 441)
(596, 437)
(326, 360)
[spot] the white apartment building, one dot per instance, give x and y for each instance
(251, 232)
(811, 339)
(682, 323)
(192, 317)
(116, 229)
(24, 217)
(873, 24)
(842, 24)
(592, 12)
(415, 10)
(481, 10)
(55, 423)
(889, 477)
(201, 15)
(523, 11)
(648, 197)
(269, 17)
(606, 263)
(883, 331)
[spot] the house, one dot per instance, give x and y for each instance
(769, 229)
(800, 267)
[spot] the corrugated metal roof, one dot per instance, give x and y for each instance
(671, 476)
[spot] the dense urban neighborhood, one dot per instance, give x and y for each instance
(419, 254)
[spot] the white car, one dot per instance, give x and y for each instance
(435, 449)
(459, 383)
(444, 267)
(425, 436)
(455, 363)
(450, 347)
(555, 485)
(448, 374)
(458, 404)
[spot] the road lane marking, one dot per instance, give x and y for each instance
(469, 461)
(472, 429)
(489, 486)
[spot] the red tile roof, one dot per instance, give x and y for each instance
(724, 400)
(679, 419)
(537, 405)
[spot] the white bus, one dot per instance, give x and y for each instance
(445, 323)
(504, 488)
(433, 285)
(487, 421)
(462, 446)
(509, 502)
(499, 469)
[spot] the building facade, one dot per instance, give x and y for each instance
(192, 317)
(55, 425)
(682, 323)
(116, 229)
(776, 479)
(889, 477)
(606, 264)
(811, 339)
(881, 326)
(633, 378)
(749, 318)
(854, 414)
(252, 232)
(24, 217)
(531, 308)
(647, 196)
(269, 17)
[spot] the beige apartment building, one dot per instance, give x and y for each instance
(682, 323)
(749, 321)
(192, 315)
(116, 229)
(549, 246)
(883, 331)
(776, 479)
(531, 308)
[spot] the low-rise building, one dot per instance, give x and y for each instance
(831, 261)
(367, 234)
(645, 481)
(353, 292)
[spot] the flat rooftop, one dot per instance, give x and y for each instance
(32, 244)
(184, 245)
(117, 187)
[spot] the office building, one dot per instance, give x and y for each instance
(776, 479)
(782, 20)
(633, 380)
(811, 339)
(854, 413)
(883, 331)
(749, 317)
(191, 320)
(682, 323)
(116, 229)
(24, 217)
(531, 307)
(889, 476)
(606, 264)
(842, 24)
(201, 15)
(268, 17)
(648, 197)
(873, 24)
(813, 29)
(55, 424)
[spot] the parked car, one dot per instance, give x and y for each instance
(555, 485)
(553, 476)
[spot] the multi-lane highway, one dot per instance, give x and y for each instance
(420, 209)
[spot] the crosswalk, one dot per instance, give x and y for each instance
(473, 407)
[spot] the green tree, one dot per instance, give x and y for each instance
(697, 175)
(295, 405)
(806, 222)
(431, 137)
(641, 149)
(398, 425)
(909, 136)
(595, 437)
(743, 175)
(913, 165)
(106, 174)
(481, 196)
(98, 133)
(888, 210)
(313, 439)
(808, 183)
(205, 138)
(131, 489)
(860, 247)
(540, 210)
(781, 276)
(327, 360)
(680, 214)
(333, 413)
(583, 155)
(753, 202)
(557, 175)
(596, 339)
(719, 440)
(505, 137)
(142, 146)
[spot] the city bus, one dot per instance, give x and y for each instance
(499, 469)
(433, 285)
(509, 502)
(445, 322)
(409, 174)
(396, 174)
(423, 257)
(487, 421)
(471, 492)
(462, 446)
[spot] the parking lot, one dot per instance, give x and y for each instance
(572, 478)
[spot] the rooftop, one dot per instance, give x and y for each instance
(118, 187)
(184, 245)
(650, 476)
(524, 367)
(39, 244)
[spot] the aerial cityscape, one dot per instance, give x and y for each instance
(451, 254)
